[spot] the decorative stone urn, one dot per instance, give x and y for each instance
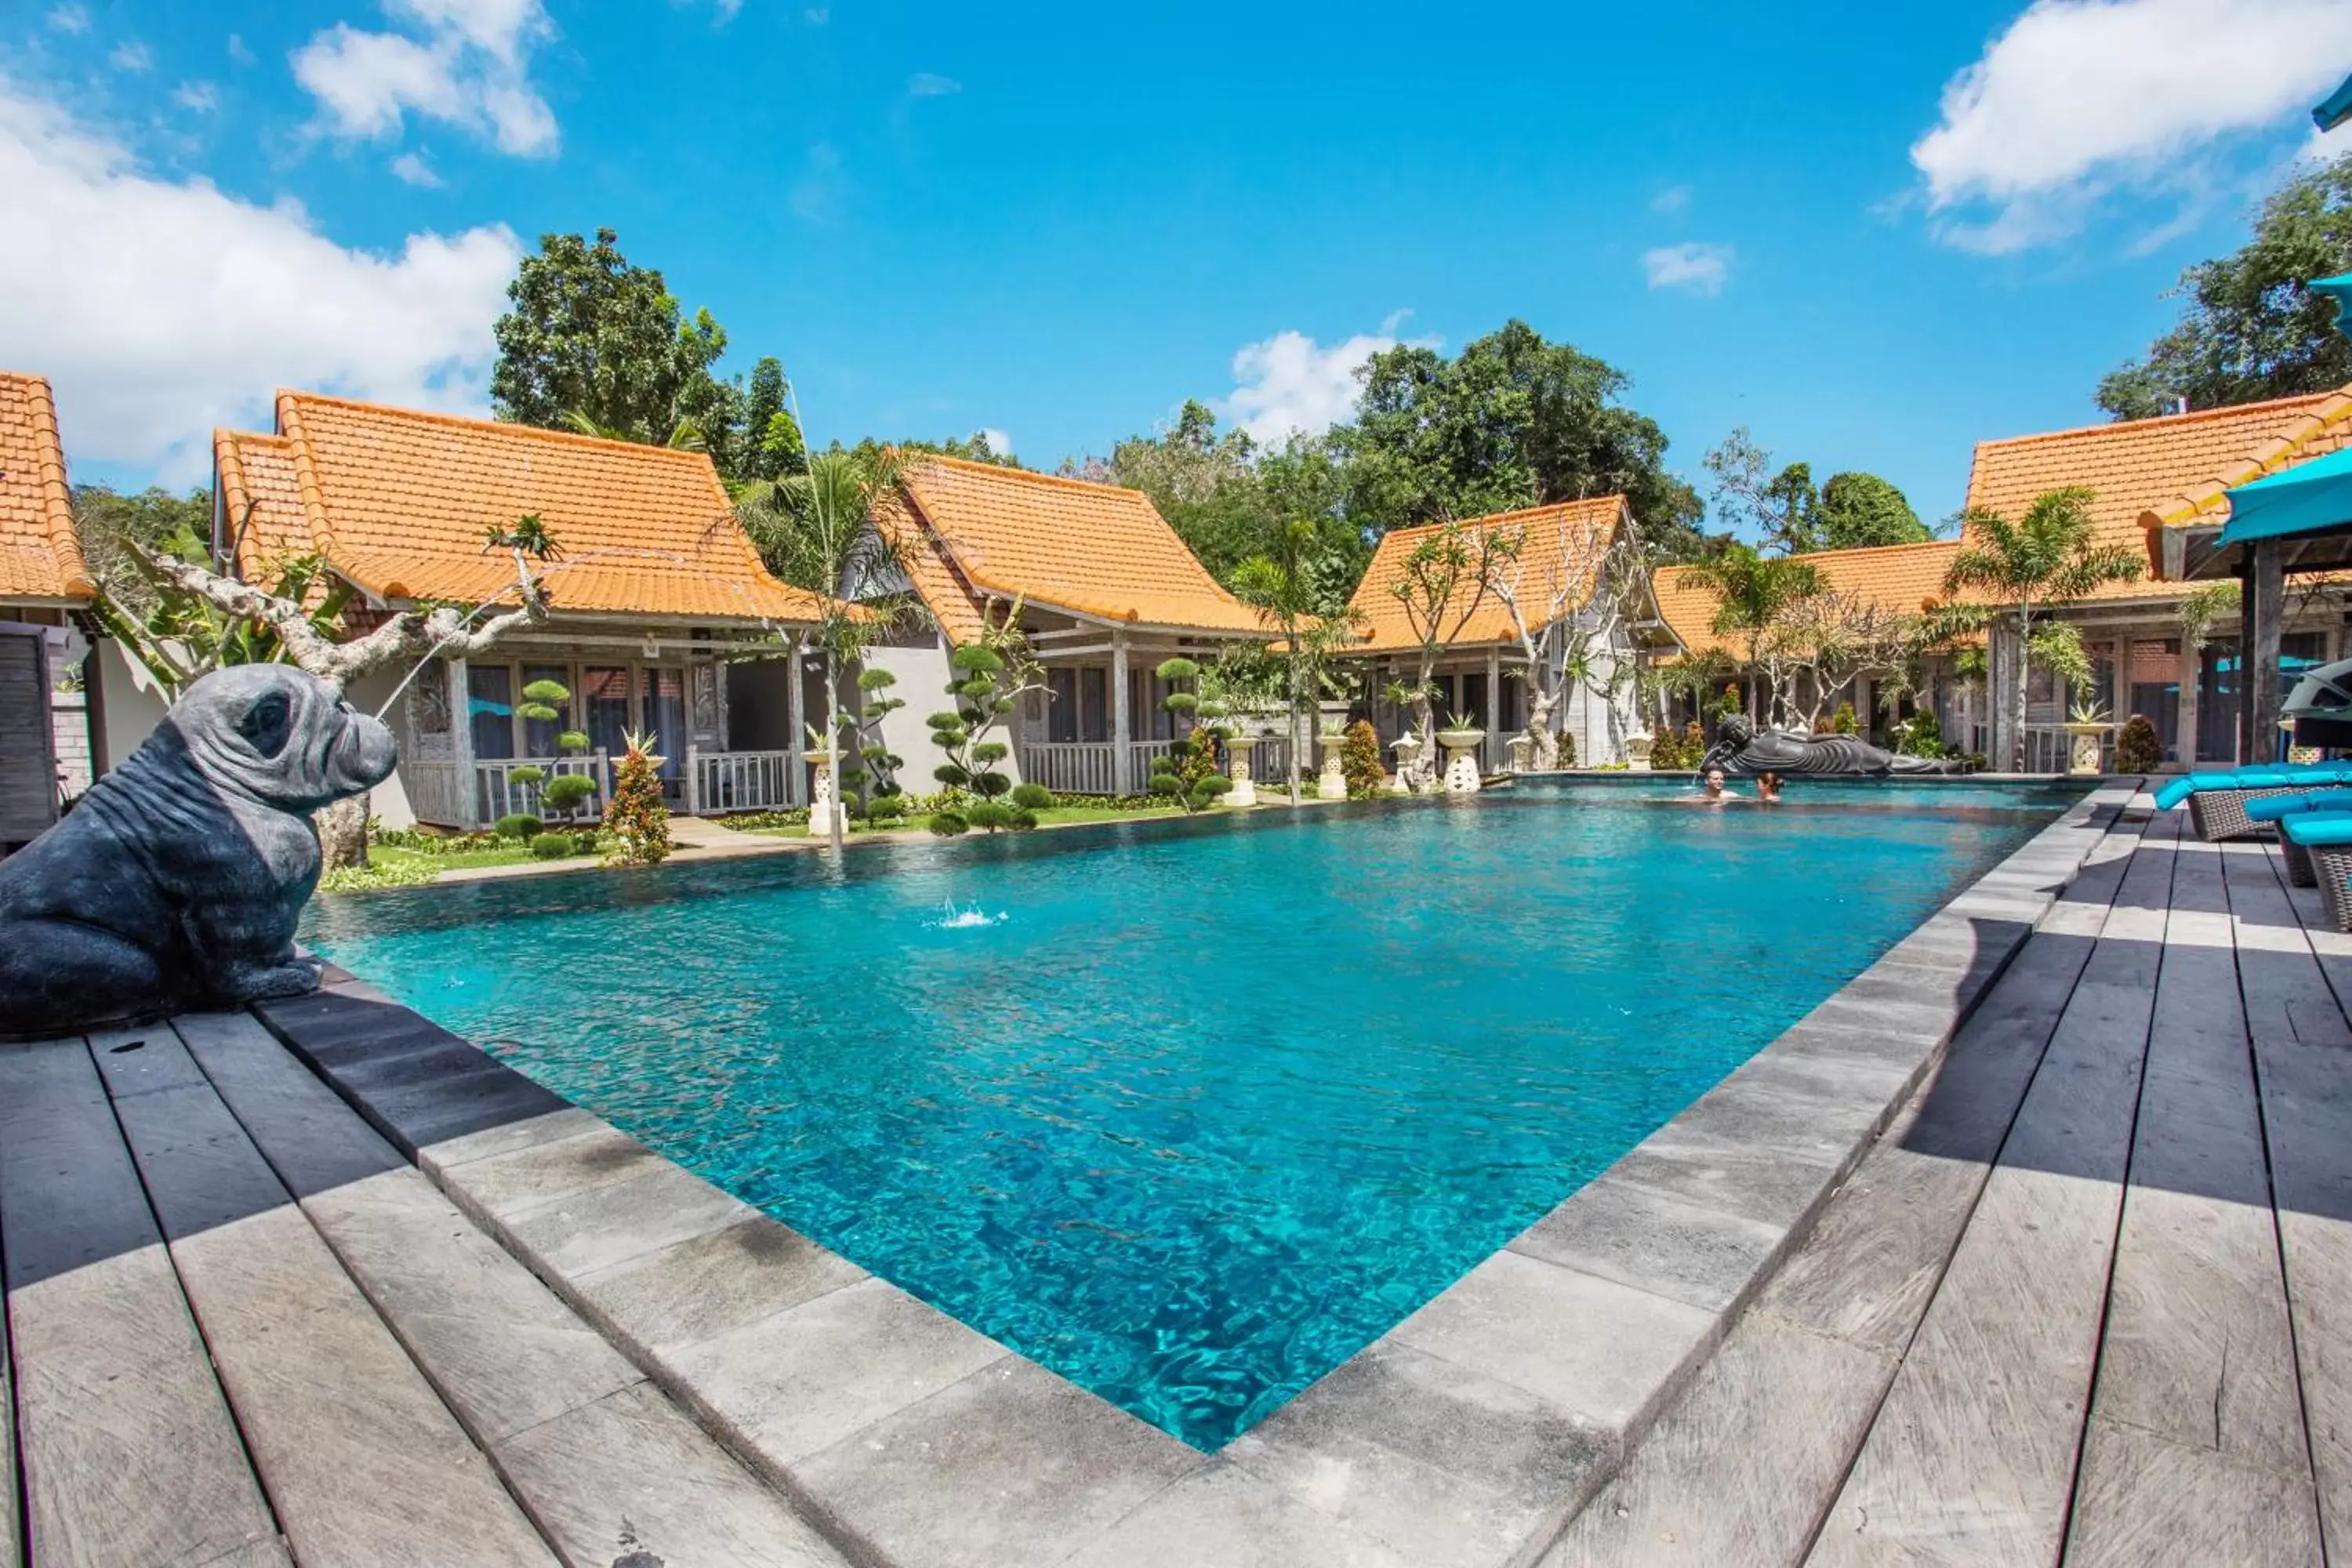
(825, 800)
(1407, 748)
(1461, 759)
(2083, 760)
(1237, 768)
(1523, 753)
(1331, 783)
(1637, 754)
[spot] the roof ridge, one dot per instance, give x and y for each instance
(1874, 549)
(514, 427)
(2219, 411)
(1000, 470)
(1483, 519)
(2265, 459)
(307, 488)
(57, 495)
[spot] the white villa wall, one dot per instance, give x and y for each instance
(388, 802)
(922, 674)
(133, 702)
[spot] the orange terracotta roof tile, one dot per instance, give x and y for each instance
(2149, 473)
(398, 501)
(1092, 550)
(1568, 537)
(40, 556)
(1902, 579)
(261, 504)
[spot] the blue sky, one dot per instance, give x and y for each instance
(1873, 235)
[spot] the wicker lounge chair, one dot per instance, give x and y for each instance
(2328, 837)
(2299, 868)
(2217, 801)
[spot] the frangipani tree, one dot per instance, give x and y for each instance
(2021, 571)
(1753, 593)
(1567, 594)
(1439, 585)
(1285, 587)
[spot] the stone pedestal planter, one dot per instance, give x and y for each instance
(1237, 768)
(2083, 761)
(825, 800)
(1331, 783)
(1407, 748)
(1637, 754)
(1461, 759)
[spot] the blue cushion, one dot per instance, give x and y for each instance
(2176, 790)
(2318, 829)
(2282, 805)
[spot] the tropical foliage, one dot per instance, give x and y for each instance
(637, 817)
(1787, 514)
(1360, 760)
(1190, 772)
(986, 681)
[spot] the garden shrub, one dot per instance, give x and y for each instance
(1672, 750)
(360, 879)
(554, 846)
(947, 822)
(1566, 740)
(1920, 735)
(1845, 721)
(1032, 796)
(1360, 760)
(519, 824)
(566, 793)
(1188, 771)
(984, 685)
(2137, 750)
(637, 818)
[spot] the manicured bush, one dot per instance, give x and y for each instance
(2137, 750)
(554, 846)
(635, 817)
(1920, 735)
(949, 824)
(519, 824)
(1189, 770)
(1566, 740)
(1360, 760)
(1032, 796)
(567, 793)
(1845, 722)
(888, 807)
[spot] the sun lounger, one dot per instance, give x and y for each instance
(2299, 868)
(2327, 836)
(2217, 801)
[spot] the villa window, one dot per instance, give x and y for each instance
(604, 702)
(1094, 704)
(1062, 711)
(490, 709)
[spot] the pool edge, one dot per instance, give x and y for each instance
(1732, 1184)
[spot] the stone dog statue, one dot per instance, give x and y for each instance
(176, 881)
(1743, 751)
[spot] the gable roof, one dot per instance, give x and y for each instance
(972, 532)
(2147, 474)
(1901, 579)
(398, 500)
(1566, 536)
(40, 556)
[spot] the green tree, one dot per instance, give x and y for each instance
(2251, 328)
(1440, 585)
(1281, 586)
(2047, 558)
(1787, 514)
(985, 682)
(1190, 772)
(1752, 592)
(816, 530)
(1511, 421)
(1858, 509)
(770, 429)
(592, 334)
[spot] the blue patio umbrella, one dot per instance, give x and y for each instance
(2308, 498)
(2336, 109)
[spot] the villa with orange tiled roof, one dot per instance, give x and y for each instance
(1106, 592)
(661, 618)
(42, 581)
(1560, 555)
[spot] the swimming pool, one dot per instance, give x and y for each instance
(1190, 1111)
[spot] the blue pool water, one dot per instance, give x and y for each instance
(1215, 1103)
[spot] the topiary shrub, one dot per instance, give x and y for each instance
(554, 846)
(2137, 749)
(1188, 771)
(949, 824)
(519, 824)
(1566, 742)
(1360, 760)
(565, 793)
(637, 818)
(887, 807)
(1033, 796)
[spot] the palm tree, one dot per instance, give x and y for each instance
(816, 530)
(1752, 592)
(2048, 558)
(1280, 584)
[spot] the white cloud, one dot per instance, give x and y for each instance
(70, 18)
(1672, 200)
(196, 97)
(725, 11)
(238, 51)
(411, 169)
(150, 346)
(1699, 267)
(998, 441)
(930, 84)
(465, 64)
(130, 55)
(1290, 384)
(2080, 98)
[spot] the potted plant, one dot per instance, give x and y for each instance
(2089, 725)
(1332, 783)
(1461, 740)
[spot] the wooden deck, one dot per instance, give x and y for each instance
(244, 1331)
(2090, 1299)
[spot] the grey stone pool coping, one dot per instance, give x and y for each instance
(1468, 1433)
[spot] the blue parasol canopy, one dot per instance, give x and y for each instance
(2337, 109)
(2309, 498)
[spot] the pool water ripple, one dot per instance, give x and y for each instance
(1215, 1104)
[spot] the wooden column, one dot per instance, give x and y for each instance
(1494, 709)
(1122, 748)
(2261, 664)
(796, 704)
(2123, 709)
(461, 741)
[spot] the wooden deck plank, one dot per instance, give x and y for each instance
(1971, 1457)
(1745, 1466)
(363, 1462)
(2305, 1068)
(130, 1454)
(2197, 1363)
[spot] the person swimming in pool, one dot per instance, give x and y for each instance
(1711, 788)
(1768, 789)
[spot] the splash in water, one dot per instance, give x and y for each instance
(953, 918)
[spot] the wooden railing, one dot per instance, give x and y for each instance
(721, 782)
(496, 793)
(1085, 767)
(434, 793)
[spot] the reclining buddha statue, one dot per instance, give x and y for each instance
(1742, 750)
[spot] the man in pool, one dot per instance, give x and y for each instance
(1711, 788)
